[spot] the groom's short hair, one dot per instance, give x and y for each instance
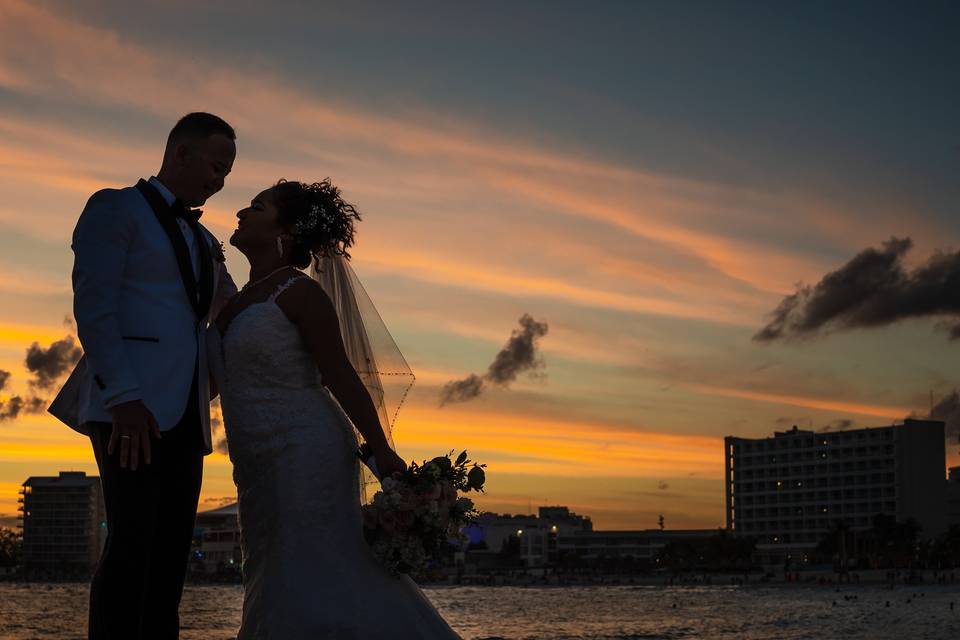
(198, 126)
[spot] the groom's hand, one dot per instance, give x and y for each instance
(132, 426)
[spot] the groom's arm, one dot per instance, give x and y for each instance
(226, 289)
(101, 242)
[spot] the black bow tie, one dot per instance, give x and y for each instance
(180, 210)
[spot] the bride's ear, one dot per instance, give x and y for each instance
(285, 239)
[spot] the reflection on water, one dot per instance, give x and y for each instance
(45, 612)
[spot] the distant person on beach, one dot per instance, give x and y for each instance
(147, 278)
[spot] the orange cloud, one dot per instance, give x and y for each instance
(840, 406)
(765, 268)
(22, 335)
(17, 280)
(98, 66)
(486, 278)
(558, 447)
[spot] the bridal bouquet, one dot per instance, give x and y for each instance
(417, 512)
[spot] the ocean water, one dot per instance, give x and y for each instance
(58, 611)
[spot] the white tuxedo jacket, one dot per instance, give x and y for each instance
(141, 334)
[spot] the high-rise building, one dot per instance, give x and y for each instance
(788, 490)
(953, 497)
(64, 524)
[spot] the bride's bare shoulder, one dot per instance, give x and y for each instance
(303, 296)
(300, 286)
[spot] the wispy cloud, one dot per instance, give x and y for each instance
(890, 413)
(20, 280)
(489, 278)
(20, 336)
(689, 217)
(572, 448)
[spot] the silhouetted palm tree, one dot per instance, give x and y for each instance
(835, 543)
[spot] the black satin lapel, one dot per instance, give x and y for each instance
(206, 270)
(180, 250)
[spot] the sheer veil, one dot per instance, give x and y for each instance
(369, 346)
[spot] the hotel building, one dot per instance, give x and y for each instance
(64, 524)
(217, 539)
(787, 490)
(953, 497)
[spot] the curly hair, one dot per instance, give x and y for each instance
(331, 234)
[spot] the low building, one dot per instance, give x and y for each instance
(537, 534)
(216, 540)
(643, 544)
(64, 524)
(555, 533)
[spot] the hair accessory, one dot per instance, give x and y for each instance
(316, 215)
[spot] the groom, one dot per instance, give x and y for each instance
(147, 278)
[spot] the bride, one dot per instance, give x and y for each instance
(291, 399)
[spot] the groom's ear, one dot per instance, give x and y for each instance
(176, 153)
(180, 152)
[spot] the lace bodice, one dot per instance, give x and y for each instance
(271, 382)
(262, 349)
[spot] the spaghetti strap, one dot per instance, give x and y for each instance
(283, 287)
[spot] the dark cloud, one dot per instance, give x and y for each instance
(662, 486)
(16, 405)
(518, 356)
(807, 424)
(220, 501)
(871, 290)
(948, 410)
(461, 390)
(763, 366)
(47, 365)
(218, 434)
(11, 409)
(837, 425)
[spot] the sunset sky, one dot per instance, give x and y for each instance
(649, 179)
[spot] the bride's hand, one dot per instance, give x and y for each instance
(388, 462)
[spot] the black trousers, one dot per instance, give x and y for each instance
(135, 592)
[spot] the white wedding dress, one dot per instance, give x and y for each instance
(307, 570)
